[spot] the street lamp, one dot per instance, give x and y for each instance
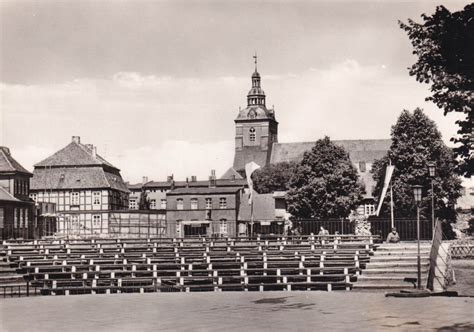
(417, 189)
(432, 170)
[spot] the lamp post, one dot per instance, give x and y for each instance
(417, 189)
(432, 171)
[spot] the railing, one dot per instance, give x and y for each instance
(19, 290)
(342, 226)
(406, 228)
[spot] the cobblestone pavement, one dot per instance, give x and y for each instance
(276, 311)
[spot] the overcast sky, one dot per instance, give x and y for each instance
(156, 85)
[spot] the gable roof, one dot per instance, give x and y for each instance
(366, 150)
(6, 196)
(74, 154)
(231, 173)
(76, 178)
(8, 164)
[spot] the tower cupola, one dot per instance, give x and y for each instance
(256, 96)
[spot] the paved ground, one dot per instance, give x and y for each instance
(274, 311)
(463, 269)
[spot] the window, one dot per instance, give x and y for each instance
(75, 222)
(24, 224)
(2, 217)
(362, 166)
(369, 209)
(96, 221)
(15, 218)
(96, 197)
(179, 204)
(208, 203)
(34, 197)
(74, 198)
(223, 226)
(163, 204)
(222, 203)
(153, 204)
(132, 204)
(194, 204)
(252, 134)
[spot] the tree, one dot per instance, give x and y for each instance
(416, 141)
(273, 177)
(444, 45)
(144, 203)
(325, 184)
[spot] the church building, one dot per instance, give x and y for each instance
(256, 129)
(256, 139)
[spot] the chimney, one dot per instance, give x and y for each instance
(145, 179)
(172, 184)
(5, 149)
(76, 139)
(169, 178)
(89, 146)
(193, 178)
(212, 179)
(94, 152)
(187, 182)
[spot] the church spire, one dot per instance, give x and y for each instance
(256, 96)
(255, 60)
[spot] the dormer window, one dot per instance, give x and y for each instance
(252, 134)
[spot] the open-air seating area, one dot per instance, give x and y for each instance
(197, 264)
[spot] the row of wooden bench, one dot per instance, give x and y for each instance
(254, 240)
(96, 266)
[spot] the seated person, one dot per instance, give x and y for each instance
(393, 236)
(323, 231)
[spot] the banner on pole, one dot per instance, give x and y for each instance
(249, 169)
(386, 183)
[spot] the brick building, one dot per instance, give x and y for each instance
(16, 208)
(84, 187)
(210, 211)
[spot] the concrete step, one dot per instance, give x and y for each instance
(388, 287)
(385, 278)
(390, 258)
(400, 254)
(402, 247)
(404, 271)
(396, 264)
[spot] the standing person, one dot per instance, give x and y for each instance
(393, 236)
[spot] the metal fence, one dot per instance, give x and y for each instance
(343, 226)
(406, 228)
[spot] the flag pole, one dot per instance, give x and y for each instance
(251, 218)
(391, 200)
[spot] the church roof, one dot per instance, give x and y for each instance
(74, 154)
(8, 164)
(366, 150)
(254, 112)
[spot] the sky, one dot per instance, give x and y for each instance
(156, 85)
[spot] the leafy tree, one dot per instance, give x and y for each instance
(416, 141)
(325, 184)
(144, 203)
(273, 177)
(444, 45)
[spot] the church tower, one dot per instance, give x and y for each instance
(255, 128)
